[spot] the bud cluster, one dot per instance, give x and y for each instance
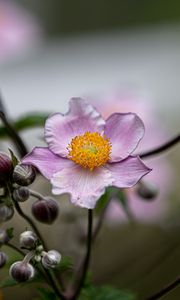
(23, 270)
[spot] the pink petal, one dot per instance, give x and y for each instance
(60, 129)
(127, 172)
(124, 131)
(45, 161)
(85, 186)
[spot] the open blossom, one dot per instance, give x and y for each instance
(85, 153)
(162, 174)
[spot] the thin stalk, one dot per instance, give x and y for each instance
(162, 148)
(21, 147)
(165, 290)
(49, 275)
(100, 221)
(36, 195)
(87, 257)
(31, 223)
(15, 248)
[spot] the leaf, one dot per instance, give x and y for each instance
(10, 232)
(26, 122)
(104, 199)
(45, 294)
(7, 282)
(15, 160)
(65, 264)
(105, 293)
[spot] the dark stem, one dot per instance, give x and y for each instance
(54, 283)
(87, 257)
(165, 290)
(162, 148)
(14, 135)
(11, 131)
(24, 216)
(15, 248)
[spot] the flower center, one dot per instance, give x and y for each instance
(89, 150)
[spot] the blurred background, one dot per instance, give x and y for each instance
(122, 55)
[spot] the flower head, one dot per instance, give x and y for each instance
(85, 153)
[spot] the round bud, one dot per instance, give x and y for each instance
(28, 239)
(6, 212)
(3, 259)
(51, 259)
(147, 191)
(45, 210)
(24, 174)
(4, 238)
(21, 271)
(6, 168)
(21, 194)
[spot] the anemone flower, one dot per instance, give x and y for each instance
(162, 173)
(85, 153)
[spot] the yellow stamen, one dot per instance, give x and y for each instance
(89, 150)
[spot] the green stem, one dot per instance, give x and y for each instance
(87, 257)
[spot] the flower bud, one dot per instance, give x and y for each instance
(6, 212)
(28, 239)
(21, 271)
(3, 259)
(147, 191)
(51, 259)
(21, 194)
(45, 210)
(24, 174)
(4, 238)
(6, 168)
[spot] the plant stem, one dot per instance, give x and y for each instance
(87, 257)
(54, 284)
(162, 148)
(165, 290)
(28, 219)
(15, 248)
(14, 135)
(36, 195)
(49, 275)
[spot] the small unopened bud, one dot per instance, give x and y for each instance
(4, 238)
(147, 191)
(3, 259)
(21, 271)
(6, 168)
(21, 194)
(6, 212)
(28, 239)
(45, 210)
(51, 259)
(24, 174)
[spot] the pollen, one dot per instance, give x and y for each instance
(89, 150)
